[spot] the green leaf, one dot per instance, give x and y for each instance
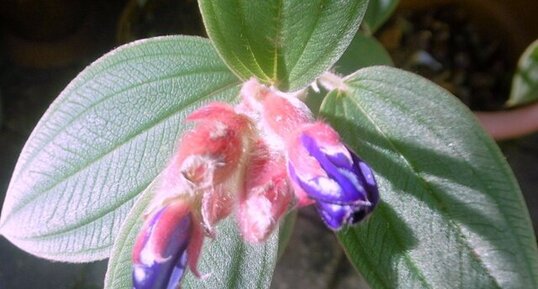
(105, 138)
(232, 264)
(283, 42)
(228, 261)
(525, 81)
(377, 13)
(363, 51)
(451, 212)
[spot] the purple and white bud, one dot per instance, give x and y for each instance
(342, 186)
(160, 251)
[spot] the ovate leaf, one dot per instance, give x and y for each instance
(226, 260)
(377, 13)
(525, 81)
(451, 212)
(105, 138)
(283, 42)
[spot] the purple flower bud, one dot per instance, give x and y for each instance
(341, 184)
(160, 251)
(335, 216)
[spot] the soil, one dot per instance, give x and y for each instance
(445, 46)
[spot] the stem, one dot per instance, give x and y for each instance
(332, 81)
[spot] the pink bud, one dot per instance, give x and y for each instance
(197, 189)
(209, 163)
(277, 114)
(266, 197)
(210, 152)
(217, 204)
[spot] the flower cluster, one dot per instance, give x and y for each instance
(258, 160)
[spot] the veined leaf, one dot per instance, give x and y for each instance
(452, 214)
(228, 261)
(283, 42)
(525, 81)
(105, 138)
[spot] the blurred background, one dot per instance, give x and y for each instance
(470, 47)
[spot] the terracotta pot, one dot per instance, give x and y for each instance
(510, 124)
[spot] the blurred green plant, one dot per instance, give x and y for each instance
(525, 81)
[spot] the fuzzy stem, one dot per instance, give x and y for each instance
(332, 81)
